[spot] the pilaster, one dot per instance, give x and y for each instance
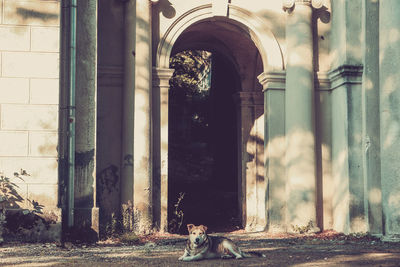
(371, 118)
(161, 79)
(142, 145)
(299, 116)
(389, 94)
(274, 146)
(348, 200)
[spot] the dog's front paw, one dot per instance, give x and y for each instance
(181, 258)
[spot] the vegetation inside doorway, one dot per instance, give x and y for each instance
(202, 147)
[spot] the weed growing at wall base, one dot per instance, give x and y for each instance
(16, 221)
(303, 229)
(176, 223)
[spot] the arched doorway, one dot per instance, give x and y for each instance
(208, 168)
(203, 154)
(242, 41)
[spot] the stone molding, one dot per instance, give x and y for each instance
(161, 76)
(110, 75)
(345, 75)
(272, 80)
(323, 83)
(251, 23)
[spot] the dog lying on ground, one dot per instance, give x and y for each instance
(202, 246)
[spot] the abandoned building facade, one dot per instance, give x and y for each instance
(304, 113)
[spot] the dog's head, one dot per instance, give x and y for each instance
(197, 234)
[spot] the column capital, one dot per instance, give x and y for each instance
(289, 5)
(161, 76)
(273, 80)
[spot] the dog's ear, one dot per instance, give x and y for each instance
(190, 226)
(204, 228)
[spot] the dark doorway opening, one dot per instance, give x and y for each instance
(203, 142)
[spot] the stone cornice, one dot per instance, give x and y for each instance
(322, 83)
(345, 74)
(274, 80)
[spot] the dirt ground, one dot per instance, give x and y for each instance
(325, 249)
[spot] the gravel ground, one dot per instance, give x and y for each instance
(327, 249)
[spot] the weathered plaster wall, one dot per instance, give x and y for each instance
(109, 107)
(347, 155)
(346, 32)
(389, 58)
(371, 118)
(29, 54)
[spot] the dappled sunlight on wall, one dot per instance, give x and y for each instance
(256, 186)
(389, 63)
(340, 199)
(276, 179)
(300, 168)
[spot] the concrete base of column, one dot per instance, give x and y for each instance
(86, 224)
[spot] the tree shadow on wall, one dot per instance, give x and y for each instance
(32, 14)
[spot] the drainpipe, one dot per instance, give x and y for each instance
(71, 113)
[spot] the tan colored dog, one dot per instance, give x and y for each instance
(202, 246)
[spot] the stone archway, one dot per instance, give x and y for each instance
(251, 182)
(203, 156)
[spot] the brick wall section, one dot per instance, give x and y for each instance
(29, 71)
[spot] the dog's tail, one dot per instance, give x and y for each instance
(250, 254)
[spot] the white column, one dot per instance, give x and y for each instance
(142, 158)
(86, 213)
(299, 117)
(389, 69)
(161, 79)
